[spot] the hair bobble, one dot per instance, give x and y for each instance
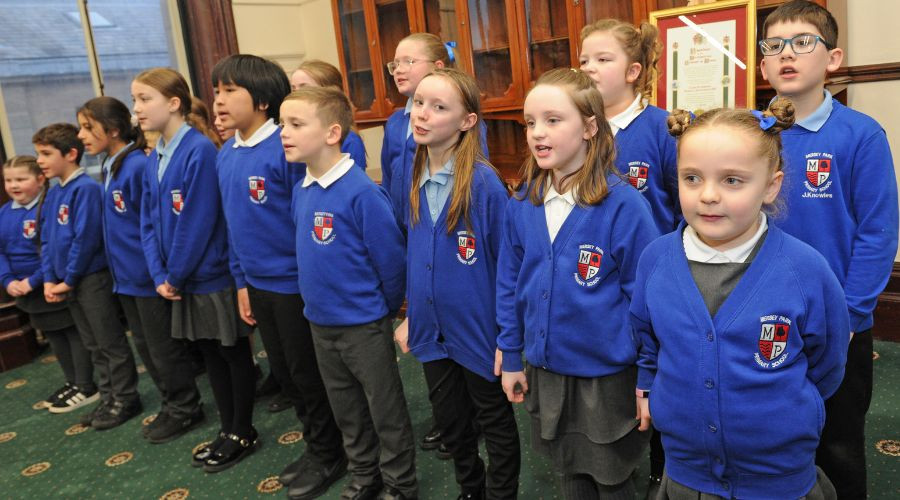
(450, 46)
(765, 122)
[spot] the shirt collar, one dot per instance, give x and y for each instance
(441, 177)
(698, 251)
(72, 177)
(568, 197)
(108, 161)
(408, 109)
(261, 134)
(623, 119)
(168, 150)
(817, 119)
(30, 204)
(333, 174)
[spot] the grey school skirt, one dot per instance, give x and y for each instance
(209, 316)
(586, 425)
(43, 315)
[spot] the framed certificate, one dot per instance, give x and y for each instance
(709, 56)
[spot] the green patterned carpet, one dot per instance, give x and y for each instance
(45, 455)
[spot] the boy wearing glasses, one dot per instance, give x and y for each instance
(841, 197)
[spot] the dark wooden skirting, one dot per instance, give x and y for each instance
(887, 314)
(209, 36)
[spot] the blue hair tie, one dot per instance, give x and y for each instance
(450, 46)
(765, 122)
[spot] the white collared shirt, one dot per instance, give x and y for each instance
(76, 173)
(407, 111)
(261, 134)
(557, 208)
(623, 119)
(29, 206)
(698, 251)
(333, 174)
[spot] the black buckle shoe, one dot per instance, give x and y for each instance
(432, 440)
(232, 451)
(172, 428)
(315, 479)
(356, 491)
(116, 414)
(202, 455)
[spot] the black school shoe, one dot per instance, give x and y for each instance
(116, 414)
(232, 451)
(391, 493)
(200, 456)
(315, 479)
(432, 440)
(172, 427)
(356, 491)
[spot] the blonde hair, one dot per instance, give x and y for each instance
(332, 106)
(324, 74)
(682, 123)
(640, 44)
(589, 182)
(435, 50)
(467, 152)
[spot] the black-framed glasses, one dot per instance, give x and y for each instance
(800, 44)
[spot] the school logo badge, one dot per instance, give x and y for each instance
(465, 247)
(637, 174)
(773, 340)
(818, 175)
(29, 228)
(177, 202)
(62, 215)
(589, 258)
(118, 201)
(257, 189)
(323, 227)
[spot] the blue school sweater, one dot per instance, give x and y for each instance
(452, 279)
(19, 257)
(182, 226)
(71, 231)
(353, 145)
(645, 152)
(350, 254)
(738, 398)
(565, 304)
(397, 153)
(256, 185)
(841, 196)
(122, 228)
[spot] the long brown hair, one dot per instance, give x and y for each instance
(589, 181)
(434, 48)
(112, 114)
(171, 84)
(467, 152)
(640, 44)
(324, 74)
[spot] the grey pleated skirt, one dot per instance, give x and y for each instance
(586, 425)
(210, 316)
(43, 315)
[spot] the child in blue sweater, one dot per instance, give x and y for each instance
(23, 279)
(106, 131)
(185, 244)
(570, 247)
(321, 74)
(351, 266)
(74, 264)
(456, 214)
(743, 328)
(621, 59)
(841, 198)
(256, 182)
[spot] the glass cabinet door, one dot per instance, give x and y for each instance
(594, 10)
(548, 32)
(393, 26)
(440, 19)
(496, 60)
(356, 57)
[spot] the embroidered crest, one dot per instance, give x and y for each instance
(177, 201)
(773, 340)
(818, 175)
(589, 259)
(465, 247)
(118, 201)
(323, 227)
(29, 228)
(62, 215)
(257, 189)
(637, 174)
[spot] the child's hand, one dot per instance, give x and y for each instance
(401, 335)
(49, 296)
(19, 288)
(60, 289)
(168, 291)
(514, 385)
(498, 362)
(25, 286)
(12, 289)
(243, 300)
(643, 412)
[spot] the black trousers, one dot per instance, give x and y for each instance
(842, 449)
(289, 347)
(459, 397)
(167, 360)
(73, 357)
